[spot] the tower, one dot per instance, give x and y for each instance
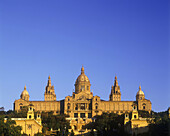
(126, 118)
(115, 94)
(30, 113)
(134, 112)
(49, 94)
(25, 95)
(82, 83)
(140, 95)
(38, 118)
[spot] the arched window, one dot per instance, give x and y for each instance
(96, 107)
(82, 87)
(76, 107)
(134, 107)
(82, 106)
(68, 106)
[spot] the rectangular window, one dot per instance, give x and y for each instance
(82, 106)
(87, 87)
(82, 88)
(75, 115)
(89, 115)
(82, 115)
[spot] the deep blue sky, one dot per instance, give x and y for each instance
(126, 38)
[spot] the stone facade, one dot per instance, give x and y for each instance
(82, 106)
(30, 125)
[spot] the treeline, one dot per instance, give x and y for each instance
(108, 124)
(55, 122)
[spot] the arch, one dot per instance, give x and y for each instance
(96, 103)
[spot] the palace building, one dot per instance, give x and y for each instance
(82, 106)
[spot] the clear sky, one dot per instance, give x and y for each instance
(127, 38)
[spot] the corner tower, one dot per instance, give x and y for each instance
(30, 113)
(140, 94)
(25, 95)
(82, 83)
(115, 94)
(49, 94)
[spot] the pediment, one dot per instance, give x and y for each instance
(83, 96)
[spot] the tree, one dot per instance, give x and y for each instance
(108, 124)
(56, 122)
(161, 125)
(72, 133)
(9, 128)
(39, 134)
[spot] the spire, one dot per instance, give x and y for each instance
(25, 87)
(116, 82)
(140, 87)
(49, 81)
(82, 70)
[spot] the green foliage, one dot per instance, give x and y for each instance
(108, 124)
(72, 133)
(24, 134)
(144, 114)
(92, 133)
(9, 128)
(161, 124)
(39, 134)
(13, 114)
(56, 122)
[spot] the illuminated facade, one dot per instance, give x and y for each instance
(30, 125)
(82, 106)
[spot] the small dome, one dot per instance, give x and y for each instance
(140, 92)
(25, 92)
(82, 77)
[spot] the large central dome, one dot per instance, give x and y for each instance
(82, 82)
(82, 77)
